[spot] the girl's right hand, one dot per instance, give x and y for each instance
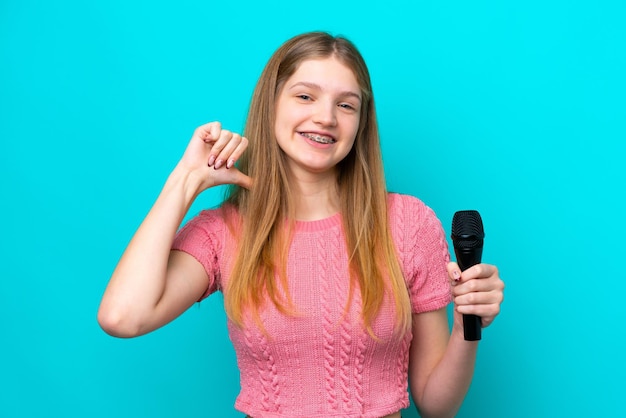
(211, 156)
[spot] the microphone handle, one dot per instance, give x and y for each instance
(472, 324)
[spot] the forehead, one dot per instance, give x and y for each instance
(328, 73)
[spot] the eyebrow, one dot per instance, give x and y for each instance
(347, 93)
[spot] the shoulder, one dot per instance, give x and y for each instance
(413, 224)
(403, 207)
(209, 223)
(206, 219)
(401, 199)
(220, 213)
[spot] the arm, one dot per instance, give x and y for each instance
(441, 364)
(151, 284)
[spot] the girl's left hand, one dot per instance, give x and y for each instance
(476, 291)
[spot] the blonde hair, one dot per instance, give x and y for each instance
(266, 208)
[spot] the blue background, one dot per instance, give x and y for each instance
(516, 109)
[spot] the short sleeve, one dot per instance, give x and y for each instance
(423, 251)
(201, 238)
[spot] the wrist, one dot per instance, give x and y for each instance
(458, 331)
(185, 180)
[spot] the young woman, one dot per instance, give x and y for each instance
(335, 290)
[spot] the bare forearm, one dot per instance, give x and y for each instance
(449, 382)
(139, 279)
(442, 363)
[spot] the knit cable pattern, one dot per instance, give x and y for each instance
(327, 318)
(321, 362)
(345, 348)
(266, 367)
(359, 359)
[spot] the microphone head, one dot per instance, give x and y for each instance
(467, 229)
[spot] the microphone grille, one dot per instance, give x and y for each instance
(467, 225)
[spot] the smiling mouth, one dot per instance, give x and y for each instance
(320, 139)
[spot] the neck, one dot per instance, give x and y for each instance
(316, 196)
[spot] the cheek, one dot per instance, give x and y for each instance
(288, 119)
(352, 125)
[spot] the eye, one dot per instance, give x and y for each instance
(304, 97)
(347, 106)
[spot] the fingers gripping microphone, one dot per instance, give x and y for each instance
(467, 238)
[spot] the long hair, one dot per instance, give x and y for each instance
(259, 269)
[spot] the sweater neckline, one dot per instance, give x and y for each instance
(319, 224)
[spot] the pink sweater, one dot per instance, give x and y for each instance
(321, 363)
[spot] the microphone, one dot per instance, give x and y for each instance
(467, 238)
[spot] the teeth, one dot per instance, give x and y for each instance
(321, 139)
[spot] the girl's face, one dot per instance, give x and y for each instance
(317, 115)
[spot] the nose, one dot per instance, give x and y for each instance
(325, 113)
